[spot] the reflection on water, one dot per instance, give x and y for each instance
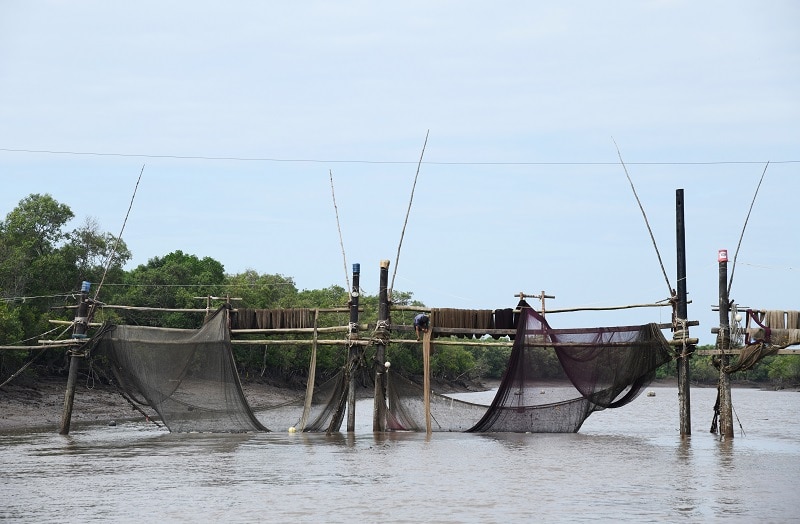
(627, 464)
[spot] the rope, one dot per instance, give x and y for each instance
(127, 399)
(23, 368)
(119, 238)
(341, 243)
(733, 267)
(381, 333)
(40, 353)
(25, 299)
(403, 232)
(682, 334)
(647, 223)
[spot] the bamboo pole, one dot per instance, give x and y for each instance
(295, 342)
(194, 310)
(279, 331)
(424, 309)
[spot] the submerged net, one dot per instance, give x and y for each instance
(607, 367)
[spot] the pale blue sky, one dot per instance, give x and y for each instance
(520, 189)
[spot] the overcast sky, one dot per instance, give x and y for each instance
(240, 112)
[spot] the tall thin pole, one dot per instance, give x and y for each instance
(354, 350)
(81, 324)
(379, 410)
(723, 344)
(681, 325)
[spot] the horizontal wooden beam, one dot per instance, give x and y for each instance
(70, 322)
(202, 310)
(738, 351)
(268, 342)
(277, 331)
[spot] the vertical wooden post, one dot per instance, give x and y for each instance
(81, 324)
(723, 344)
(379, 409)
(681, 327)
(354, 350)
(426, 367)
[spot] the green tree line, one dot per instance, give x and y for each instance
(43, 263)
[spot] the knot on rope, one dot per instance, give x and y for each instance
(381, 333)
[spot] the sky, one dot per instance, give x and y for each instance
(254, 124)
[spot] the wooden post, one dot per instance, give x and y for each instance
(426, 367)
(681, 325)
(354, 350)
(723, 345)
(541, 296)
(379, 410)
(81, 324)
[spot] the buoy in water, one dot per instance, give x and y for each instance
(292, 429)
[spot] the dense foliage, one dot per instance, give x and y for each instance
(42, 265)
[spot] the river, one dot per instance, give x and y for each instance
(625, 465)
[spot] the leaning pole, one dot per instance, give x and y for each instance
(81, 325)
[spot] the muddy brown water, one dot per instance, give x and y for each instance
(628, 464)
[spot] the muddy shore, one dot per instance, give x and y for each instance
(40, 405)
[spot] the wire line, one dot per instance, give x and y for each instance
(358, 161)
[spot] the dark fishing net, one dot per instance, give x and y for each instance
(607, 367)
(187, 376)
(320, 414)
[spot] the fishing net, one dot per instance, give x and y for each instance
(322, 413)
(187, 376)
(607, 368)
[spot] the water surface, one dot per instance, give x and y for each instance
(628, 464)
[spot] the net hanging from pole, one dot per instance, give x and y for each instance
(189, 378)
(607, 368)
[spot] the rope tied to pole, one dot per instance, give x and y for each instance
(381, 333)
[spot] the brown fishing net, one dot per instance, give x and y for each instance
(188, 376)
(607, 367)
